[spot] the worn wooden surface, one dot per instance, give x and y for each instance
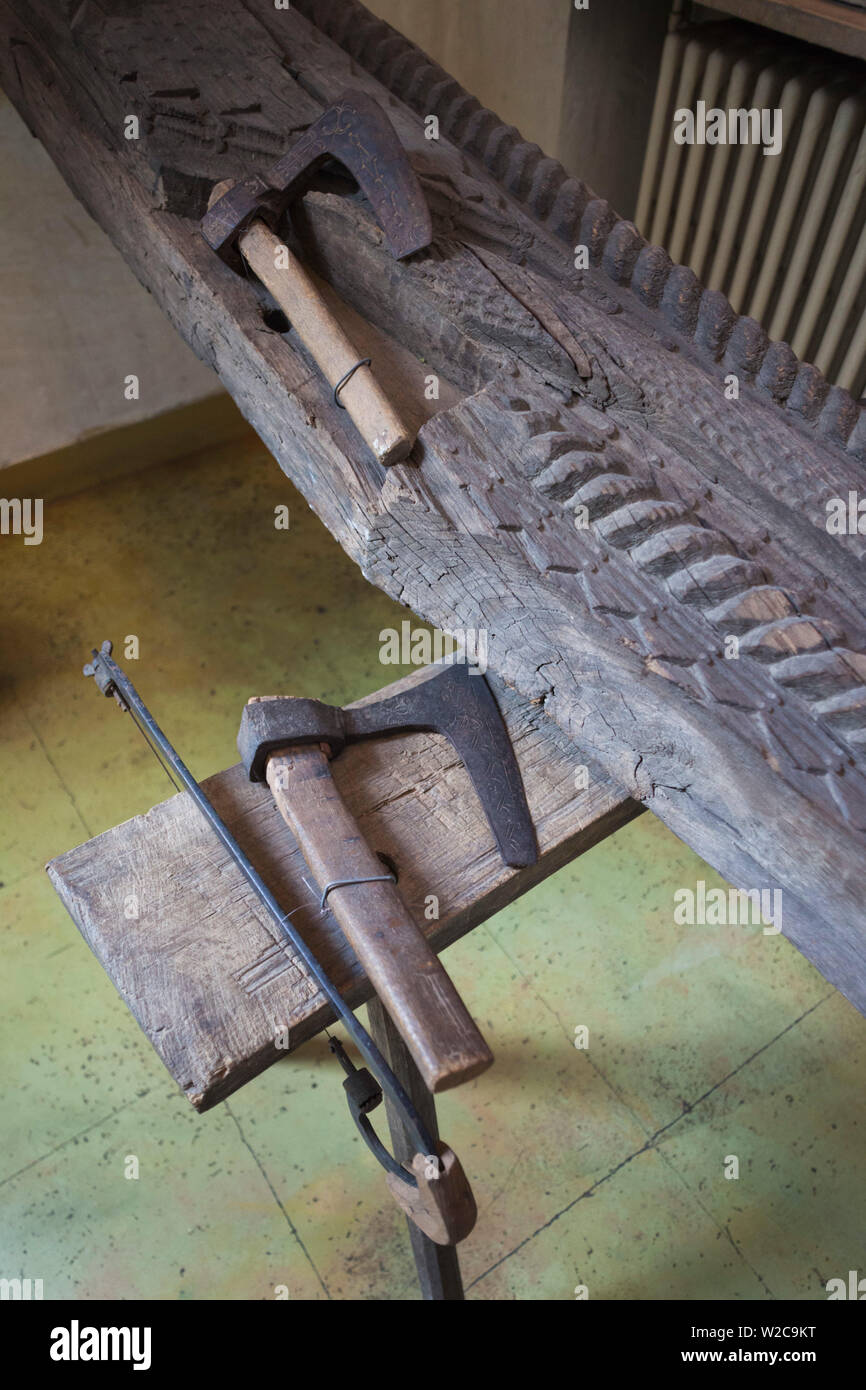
(835, 25)
(322, 334)
(438, 1266)
(400, 964)
(705, 516)
(200, 968)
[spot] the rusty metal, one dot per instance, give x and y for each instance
(456, 702)
(356, 132)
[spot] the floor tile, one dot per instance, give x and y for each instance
(670, 1009)
(598, 1165)
(793, 1119)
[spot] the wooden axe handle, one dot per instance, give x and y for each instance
(406, 974)
(282, 273)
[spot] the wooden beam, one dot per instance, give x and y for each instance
(648, 558)
(438, 1266)
(837, 26)
(199, 966)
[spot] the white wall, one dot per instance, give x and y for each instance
(510, 54)
(580, 83)
(74, 321)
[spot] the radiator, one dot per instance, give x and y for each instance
(784, 236)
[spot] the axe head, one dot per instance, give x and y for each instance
(456, 702)
(356, 132)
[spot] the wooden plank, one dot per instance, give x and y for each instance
(837, 26)
(699, 633)
(438, 1266)
(199, 966)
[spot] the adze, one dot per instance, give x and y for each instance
(432, 1189)
(241, 224)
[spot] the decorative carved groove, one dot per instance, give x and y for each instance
(596, 469)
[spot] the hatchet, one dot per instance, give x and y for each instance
(241, 225)
(289, 742)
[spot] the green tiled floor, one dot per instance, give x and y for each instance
(601, 1167)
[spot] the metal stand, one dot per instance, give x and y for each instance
(437, 1265)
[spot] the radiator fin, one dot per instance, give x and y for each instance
(782, 236)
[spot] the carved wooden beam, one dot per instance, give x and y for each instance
(592, 396)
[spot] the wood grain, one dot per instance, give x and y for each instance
(323, 336)
(442, 1205)
(611, 533)
(219, 998)
(826, 22)
(403, 969)
(437, 1266)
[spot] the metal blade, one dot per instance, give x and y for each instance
(458, 703)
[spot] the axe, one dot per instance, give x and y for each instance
(241, 222)
(288, 743)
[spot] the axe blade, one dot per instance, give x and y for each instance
(356, 131)
(458, 703)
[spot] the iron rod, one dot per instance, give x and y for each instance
(115, 680)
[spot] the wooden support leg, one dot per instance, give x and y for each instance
(437, 1265)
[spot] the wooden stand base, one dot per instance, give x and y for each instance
(437, 1265)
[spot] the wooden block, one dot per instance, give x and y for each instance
(200, 968)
